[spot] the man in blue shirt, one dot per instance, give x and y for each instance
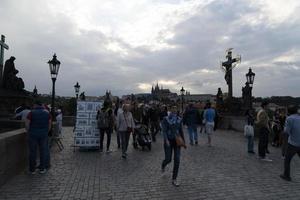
(292, 128)
(209, 118)
(38, 124)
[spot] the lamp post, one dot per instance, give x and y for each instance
(54, 68)
(77, 89)
(250, 80)
(182, 94)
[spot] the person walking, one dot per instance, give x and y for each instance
(110, 129)
(209, 118)
(191, 118)
(276, 132)
(118, 110)
(145, 116)
(125, 126)
(154, 121)
(264, 131)
(202, 121)
(249, 132)
(172, 128)
(104, 120)
(292, 128)
(59, 118)
(283, 136)
(38, 124)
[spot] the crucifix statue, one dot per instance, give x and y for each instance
(2, 47)
(228, 66)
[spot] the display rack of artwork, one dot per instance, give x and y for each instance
(86, 132)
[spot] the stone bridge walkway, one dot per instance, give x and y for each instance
(224, 171)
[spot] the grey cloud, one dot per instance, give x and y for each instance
(34, 36)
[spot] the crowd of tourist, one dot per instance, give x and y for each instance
(161, 119)
(283, 130)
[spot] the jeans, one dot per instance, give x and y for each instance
(124, 141)
(284, 147)
(291, 151)
(47, 164)
(168, 157)
(118, 139)
(263, 142)
(108, 132)
(193, 133)
(41, 142)
(250, 143)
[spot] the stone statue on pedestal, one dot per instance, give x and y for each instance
(82, 96)
(107, 102)
(10, 79)
(219, 99)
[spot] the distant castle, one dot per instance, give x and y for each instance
(160, 93)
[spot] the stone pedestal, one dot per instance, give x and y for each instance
(10, 100)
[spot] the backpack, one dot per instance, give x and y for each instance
(102, 120)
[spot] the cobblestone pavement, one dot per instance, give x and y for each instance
(224, 171)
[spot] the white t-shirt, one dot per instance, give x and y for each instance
(23, 114)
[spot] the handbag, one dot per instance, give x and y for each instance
(248, 130)
(179, 141)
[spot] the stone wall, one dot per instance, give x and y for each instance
(9, 125)
(13, 154)
(235, 123)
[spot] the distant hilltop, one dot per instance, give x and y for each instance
(280, 100)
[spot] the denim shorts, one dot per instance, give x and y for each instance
(209, 127)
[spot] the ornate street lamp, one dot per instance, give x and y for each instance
(54, 68)
(182, 94)
(250, 80)
(250, 77)
(77, 89)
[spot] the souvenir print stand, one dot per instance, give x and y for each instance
(86, 132)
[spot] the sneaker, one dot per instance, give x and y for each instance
(266, 159)
(196, 143)
(175, 183)
(43, 171)
(285, 177)
(124, 156)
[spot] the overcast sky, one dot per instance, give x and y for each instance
(127, 45)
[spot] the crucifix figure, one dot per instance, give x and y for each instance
(2, 47)
(228, 66)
